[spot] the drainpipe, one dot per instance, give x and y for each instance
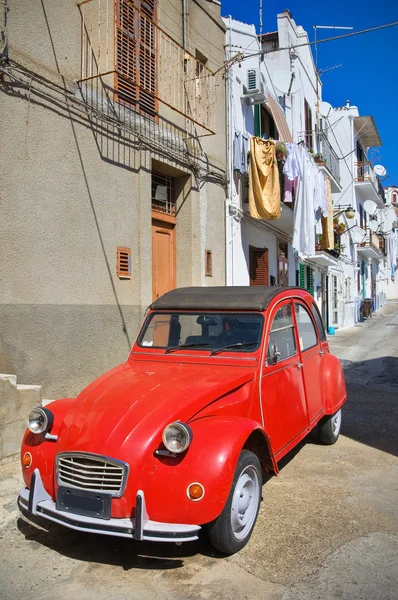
(184, 23)
(229, 240)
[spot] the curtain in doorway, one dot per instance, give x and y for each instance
(264, 187)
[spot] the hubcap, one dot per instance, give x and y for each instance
(245, 503)
(336, 422)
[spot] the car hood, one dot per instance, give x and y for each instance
(133, 402)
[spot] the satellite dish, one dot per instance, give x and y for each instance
(358, 235)
(373, 225)
(370, 207)
(325, 109)
(286, 82)
(380, 170)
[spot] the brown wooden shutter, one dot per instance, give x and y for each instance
(258, 266)
(123, 263)
(136, 53)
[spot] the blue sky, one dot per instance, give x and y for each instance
(369, 76)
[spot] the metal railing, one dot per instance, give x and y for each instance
(371, 239)
(325, 155)
(328, 156)
(175, 77)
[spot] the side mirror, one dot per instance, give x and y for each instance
(272, 358)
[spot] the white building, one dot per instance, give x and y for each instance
(363, 257)
(391, 194)
(274, 92)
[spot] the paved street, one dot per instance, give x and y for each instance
(328, 526)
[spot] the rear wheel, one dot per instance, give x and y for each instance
(329, 428)
(231, 531)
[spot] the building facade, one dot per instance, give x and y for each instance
(113, 176)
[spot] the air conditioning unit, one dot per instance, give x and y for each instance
(255, 87)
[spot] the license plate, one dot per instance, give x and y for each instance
(82, 502)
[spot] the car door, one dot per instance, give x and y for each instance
(282, 388)
(311, 353)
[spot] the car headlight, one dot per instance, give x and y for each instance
(40, 420)
(177, 437)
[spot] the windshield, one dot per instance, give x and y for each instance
(240, 332)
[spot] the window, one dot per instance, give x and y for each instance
(202, 331)
(282, 343)
(268, 127)
(308, 125)
(208, 263)
(123, 263)
(163, 194)
(258, 266)
(306, 330)
(136, 54)
(318, 321)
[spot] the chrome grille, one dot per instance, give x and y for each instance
(92, 473)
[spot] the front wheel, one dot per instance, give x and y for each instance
(231, 531)
(329, 428)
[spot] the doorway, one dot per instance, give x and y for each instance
(163, 234)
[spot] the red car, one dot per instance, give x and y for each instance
(221, 383)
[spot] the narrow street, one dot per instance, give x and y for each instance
(328, 525)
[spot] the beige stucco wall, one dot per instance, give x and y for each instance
(73, 188)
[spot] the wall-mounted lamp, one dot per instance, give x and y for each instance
(349, 211)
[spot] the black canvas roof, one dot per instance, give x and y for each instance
(219, 298)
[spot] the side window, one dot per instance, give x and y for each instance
(318, 321)
(282, 343)
(306, 330)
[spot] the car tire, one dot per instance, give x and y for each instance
(329, 428)
(231, 531)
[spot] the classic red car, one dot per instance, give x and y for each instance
(220, 384)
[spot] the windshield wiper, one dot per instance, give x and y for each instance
(236, 345)
(172, 348)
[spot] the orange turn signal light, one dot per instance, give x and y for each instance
(195, 491)
(27, 459)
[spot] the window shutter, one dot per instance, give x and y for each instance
(136, 53)
(258, 260)
(310, 280)
(257, 127)
(123, 263)
(301, 276)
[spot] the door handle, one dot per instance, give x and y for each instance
(321, 352)
(299, 365)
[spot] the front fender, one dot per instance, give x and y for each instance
(334, 390)
(43, 451)
(210, 460)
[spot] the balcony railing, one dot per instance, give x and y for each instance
(371, 240)
(175, 78)
(325, 155)
(363, 172)
(328, 156)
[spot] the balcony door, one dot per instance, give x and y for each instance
(163, 234)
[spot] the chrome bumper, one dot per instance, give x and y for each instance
(38, 502)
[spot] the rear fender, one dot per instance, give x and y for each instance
(334, 390)
(210, 460)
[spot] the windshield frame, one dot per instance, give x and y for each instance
(197, 312)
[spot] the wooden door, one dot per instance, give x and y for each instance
(163, 257)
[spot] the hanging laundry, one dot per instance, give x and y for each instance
(244, 153)
(304, 216)
(237, 152)
(264, 188)
(290, 187)
(327, 222)
(292, 167)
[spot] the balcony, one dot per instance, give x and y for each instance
(367, 184)
(129, 62)
(326, 258)
(325, 157)
(370, 247)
